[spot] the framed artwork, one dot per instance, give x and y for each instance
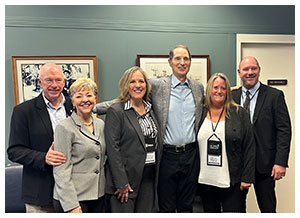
(158, 66)
(26, 69)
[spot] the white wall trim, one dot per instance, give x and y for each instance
(138, 25)
(258, 38)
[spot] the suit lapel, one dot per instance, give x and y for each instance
(166, 94)
(85, 130)
(153, 117)
(236, 95)
(198, 101)
(44, 115)
(203, 115)
(135, 124)
(259, 102)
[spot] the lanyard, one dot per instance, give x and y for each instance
(212, 125)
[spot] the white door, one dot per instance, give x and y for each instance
(276, 56)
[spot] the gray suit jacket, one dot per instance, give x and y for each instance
(160, 96)
(126, 149)
(82, 176)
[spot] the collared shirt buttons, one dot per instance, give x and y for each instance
(97, 143)
(97, 171)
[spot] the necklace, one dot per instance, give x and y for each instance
(88, 124)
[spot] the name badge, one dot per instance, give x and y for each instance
(150, 158)
(214, 151)
(150, 148)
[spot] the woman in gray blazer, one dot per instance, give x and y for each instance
(80, 181)
(131, 135)
(227, 149)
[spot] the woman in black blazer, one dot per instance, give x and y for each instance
(131, 135)
(227, 149)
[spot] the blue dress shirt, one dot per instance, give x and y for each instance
(181, 117)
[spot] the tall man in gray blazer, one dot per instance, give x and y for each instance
(31, 139)
(177, 104)
(271, 128)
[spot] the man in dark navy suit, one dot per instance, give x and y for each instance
(31, 139)
(272, 131)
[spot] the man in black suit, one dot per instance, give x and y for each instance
(272, 131)
(31, 139)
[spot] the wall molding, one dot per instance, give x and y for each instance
(141, 26)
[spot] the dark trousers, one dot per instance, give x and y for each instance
(144, 201)
(178, 180)
(91, 206)
(264, 187)
(216, 200)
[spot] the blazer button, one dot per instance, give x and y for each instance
(97, 171)
(97, 143)
(97, 157)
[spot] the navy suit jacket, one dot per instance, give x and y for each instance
(271, 128)
(31, 135)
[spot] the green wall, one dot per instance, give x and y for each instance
(116, 34)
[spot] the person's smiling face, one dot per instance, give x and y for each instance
(84, 101)
(218, 92)
(137, 86)
(249, 72)
(180, 63)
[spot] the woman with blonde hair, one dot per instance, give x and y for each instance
(131, 135)
(227, 149)
(80, 181)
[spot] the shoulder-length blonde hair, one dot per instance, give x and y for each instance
(228, 101)
(124, 85)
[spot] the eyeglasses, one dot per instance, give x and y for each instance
(51, 81)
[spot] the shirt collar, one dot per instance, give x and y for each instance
(49, 104)
(128, 106)
(252, 90)
(176, 82)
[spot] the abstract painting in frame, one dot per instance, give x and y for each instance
(26, 69)
(157, 66)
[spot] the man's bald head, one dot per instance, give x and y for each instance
(48, 68)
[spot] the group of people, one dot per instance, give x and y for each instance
(163, 140)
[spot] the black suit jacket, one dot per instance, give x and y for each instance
(125, 146)
(31, 135)
(271, 128)
(240, 145)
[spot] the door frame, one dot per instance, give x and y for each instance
(257, 39)
(266, 39)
